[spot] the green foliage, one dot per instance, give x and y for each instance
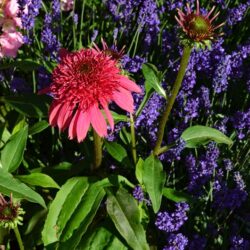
(12, 154)
(100, 239)
(10, 185)
(200, 135)
(116, 150)
(29, 104)
(154, 179)
(38, 179)
(176, 196)
(123, 210)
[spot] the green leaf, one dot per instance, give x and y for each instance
(93, 201)
(176, 196)
(29, 105)
(100, 239)
(153, 78)
(38, 179)
(69, 194)
(201, 135)
(116, 150)
(123, 210)
(8, 185)
(139, 170)
(38, 127)
(12, 153)
(72, 211)
(154, 179)
(119, 118)
(25, 65)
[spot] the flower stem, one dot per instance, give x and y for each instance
(177, 85)
(19, 239)
(97, 150)
(133, 140)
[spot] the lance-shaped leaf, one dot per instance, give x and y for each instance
(123, 210)
(8, 185)
(12, 153)
(200, 135)
(154, 179)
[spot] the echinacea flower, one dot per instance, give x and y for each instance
(198, 27)
(10, 213)
(83, 84)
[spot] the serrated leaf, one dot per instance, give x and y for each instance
(8, 185)
(123, 210)
(152, 77)
(116, 150)
(200, 135)
(38, 127)
(176, 196)
(154, 179)
(38, 179)
(12, 153)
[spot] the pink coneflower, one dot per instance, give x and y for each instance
(198, 27)
(83, 84)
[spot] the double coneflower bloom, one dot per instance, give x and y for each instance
(83, 85)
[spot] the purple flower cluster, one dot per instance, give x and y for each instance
(132, 65)
(229, 198)
(28, 10)
(200, 171)
(241, 122)
(172, 222)
(50, 30)
(138, 193)
(176, 242)
(197, 242)
(239, 243)
(236, 14)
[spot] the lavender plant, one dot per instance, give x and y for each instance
(85, 164)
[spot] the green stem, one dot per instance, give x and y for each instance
(97, 150)
(19, 239)
(177, 85)
(133, 140)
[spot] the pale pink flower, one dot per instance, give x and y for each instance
(67, 5)
(10, 43)
(9, 19)
(83, 84)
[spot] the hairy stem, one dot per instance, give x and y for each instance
(19, 239)
(177, 85)
(97, 150)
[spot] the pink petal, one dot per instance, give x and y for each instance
(129, 85)
(124, 100)
(72, 126)
(62, 115)
(97, 120)
(109, 115)
(82, 126)
(53, 113)
(197, 7)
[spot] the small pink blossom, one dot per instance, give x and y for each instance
(67, 5)
(10, 43)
